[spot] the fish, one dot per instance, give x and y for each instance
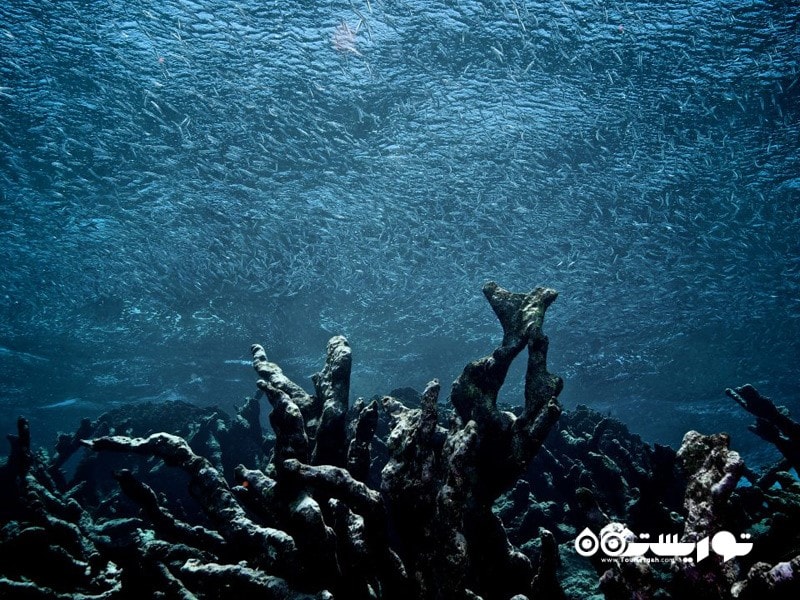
(62, 403)
(26, 357)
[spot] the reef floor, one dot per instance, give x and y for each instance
(400, 496)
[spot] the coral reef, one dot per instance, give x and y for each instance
(308, 513)
(773, 424)
(723, 498)
(395, 497)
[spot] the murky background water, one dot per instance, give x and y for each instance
(181, 179)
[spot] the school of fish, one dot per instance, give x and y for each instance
(181, 179)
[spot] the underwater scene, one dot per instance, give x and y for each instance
(383, 299)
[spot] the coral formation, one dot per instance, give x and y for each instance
(773, 424)
(396, 497)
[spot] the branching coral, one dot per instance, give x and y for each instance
(773, 425)
(389, 498)
(304, 521)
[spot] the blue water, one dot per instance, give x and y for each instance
(181, 179)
